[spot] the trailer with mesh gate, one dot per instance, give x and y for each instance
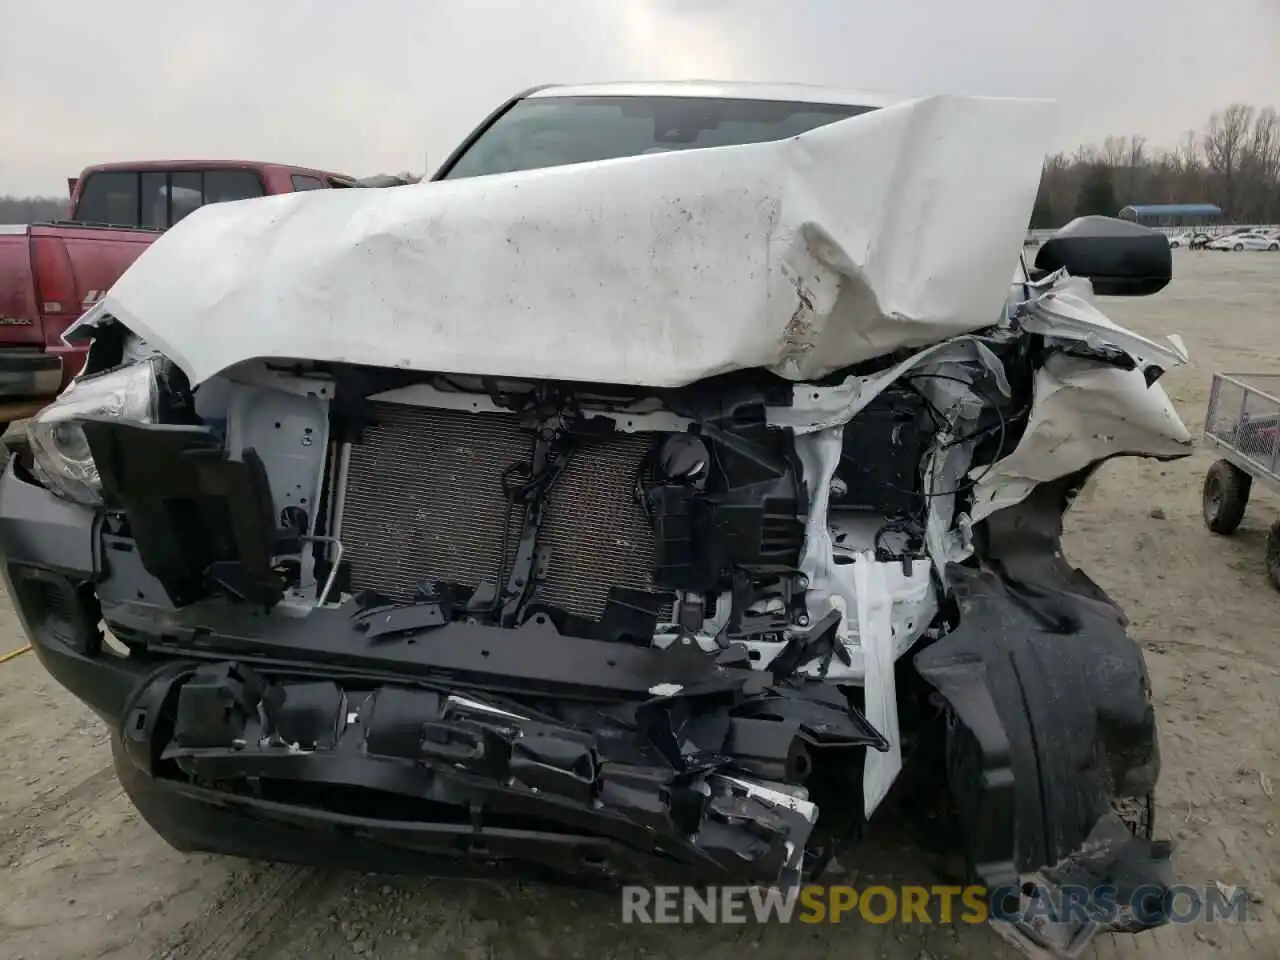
(1242, 424)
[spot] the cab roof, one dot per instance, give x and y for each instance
(782, 92)
(144, 166)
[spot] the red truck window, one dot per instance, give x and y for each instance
(160, 198)
(110, 198)
(303, 182)
(222, 185)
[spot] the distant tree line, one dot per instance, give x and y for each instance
(31, 209)
(1233, 162)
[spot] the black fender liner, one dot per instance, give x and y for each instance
(1050, 693)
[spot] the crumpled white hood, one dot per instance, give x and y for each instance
(892, 229)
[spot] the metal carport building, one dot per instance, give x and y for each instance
(1172, 214)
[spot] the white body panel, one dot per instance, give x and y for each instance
(887, 230)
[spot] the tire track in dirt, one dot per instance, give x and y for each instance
(34, 822)
(244, 922)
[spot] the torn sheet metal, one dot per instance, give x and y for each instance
(888, 230)
(814, 409)
(1083, 412)
(1059, 308)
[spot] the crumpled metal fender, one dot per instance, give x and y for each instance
(1052, 698)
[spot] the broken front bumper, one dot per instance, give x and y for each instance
(445, 776)
(325, 739)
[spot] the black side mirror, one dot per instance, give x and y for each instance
(1121, 258)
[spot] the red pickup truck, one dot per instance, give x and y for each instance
(51, 272)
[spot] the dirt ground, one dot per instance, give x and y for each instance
(84, 877)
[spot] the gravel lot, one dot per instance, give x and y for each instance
(84, 877)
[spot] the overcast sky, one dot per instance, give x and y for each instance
(377, 85)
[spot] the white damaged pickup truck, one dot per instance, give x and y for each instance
(644, 497)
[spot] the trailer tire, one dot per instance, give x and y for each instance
(1225, 496)
(1273, 554)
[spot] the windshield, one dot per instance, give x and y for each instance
(551, 131)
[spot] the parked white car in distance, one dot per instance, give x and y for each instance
(1254, 240)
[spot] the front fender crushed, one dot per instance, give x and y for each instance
(1053, 736)
(1058, 699)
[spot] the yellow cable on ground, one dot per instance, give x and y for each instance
(15, 654)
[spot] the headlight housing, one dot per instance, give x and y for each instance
(60, 453)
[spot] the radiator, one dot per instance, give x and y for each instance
(424, 501)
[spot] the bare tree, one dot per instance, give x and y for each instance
(1114, 152)
(1135, 165)
(1085, 155)
(1224, 145)
(1260, 166)
(1188, 152)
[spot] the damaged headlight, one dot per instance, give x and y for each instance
(59, 450)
